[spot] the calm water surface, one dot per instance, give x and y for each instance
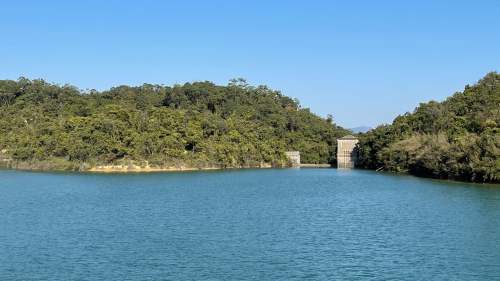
(289, 224)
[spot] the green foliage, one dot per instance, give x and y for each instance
(196, 124)
(455, 139)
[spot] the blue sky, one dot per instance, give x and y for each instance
(365, 62)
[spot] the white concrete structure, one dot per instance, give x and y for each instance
(294, 157)
(346, 152)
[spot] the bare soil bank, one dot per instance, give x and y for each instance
(316, 166)
(128, 167)
(146, 169)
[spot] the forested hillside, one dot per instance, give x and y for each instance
(196, 124)
(458, 138)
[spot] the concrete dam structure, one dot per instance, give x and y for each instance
(347, 154)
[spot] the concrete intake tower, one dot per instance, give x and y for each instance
(347, 154)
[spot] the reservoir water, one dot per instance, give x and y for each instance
(276, 224)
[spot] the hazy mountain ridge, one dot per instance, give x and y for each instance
(360, 129)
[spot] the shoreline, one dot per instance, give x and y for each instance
(118, 168)
(315, 166)
(133, 168)
(148, 169)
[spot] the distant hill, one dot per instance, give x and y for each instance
(458, 138)
(360, 129)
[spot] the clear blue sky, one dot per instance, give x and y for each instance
(363, 61)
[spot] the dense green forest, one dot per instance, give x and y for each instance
(458, 138)
(43, 125)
